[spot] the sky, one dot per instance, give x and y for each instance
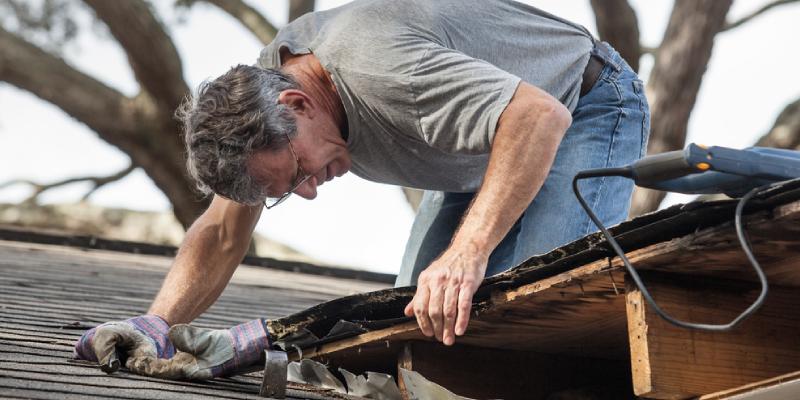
(751, 77)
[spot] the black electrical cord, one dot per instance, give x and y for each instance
(740, 233)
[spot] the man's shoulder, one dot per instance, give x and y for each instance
(348, 33)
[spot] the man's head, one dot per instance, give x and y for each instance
(251, 132)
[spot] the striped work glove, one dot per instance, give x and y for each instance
(144, 336)
(207, 353)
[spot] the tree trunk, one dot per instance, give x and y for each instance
(249, 17)
(785, 133)
(617, 25)
(299, 7)
(681, 60)
(137, 126)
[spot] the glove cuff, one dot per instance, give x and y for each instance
(83, 348)
(155, 328)
(250, 339)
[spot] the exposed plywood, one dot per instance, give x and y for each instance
(671, 362)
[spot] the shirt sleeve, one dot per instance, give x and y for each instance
(459, 100)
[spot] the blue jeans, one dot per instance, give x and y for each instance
(610, 126)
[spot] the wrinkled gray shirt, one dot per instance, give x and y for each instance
(423, 82)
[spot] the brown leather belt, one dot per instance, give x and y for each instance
(591, 73)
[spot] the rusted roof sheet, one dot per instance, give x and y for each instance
(50, 294)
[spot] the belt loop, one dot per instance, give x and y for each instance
(602, 50)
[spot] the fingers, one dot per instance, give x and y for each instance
(183, 337)
(420, 301)
(442, 306)
(181, 366)
(450, 313)
(211, 347)
(464, 307)
(435, 310)
(409, 310)
(110, 337)
(104, 344)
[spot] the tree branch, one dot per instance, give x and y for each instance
(299, 7)
(785, 133)
(617, 24)
(747, 18)
(90, 101)
(138, 126)
(151, 53)
(672, 88)
(245, 14)
(97, 183)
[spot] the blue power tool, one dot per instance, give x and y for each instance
(703, 170)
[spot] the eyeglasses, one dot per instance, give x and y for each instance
(271, 202)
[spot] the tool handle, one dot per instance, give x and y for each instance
(650, 171)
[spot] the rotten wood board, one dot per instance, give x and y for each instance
(311, 326)
(582, 311)
(670, 362)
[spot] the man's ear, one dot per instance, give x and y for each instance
(297, 100)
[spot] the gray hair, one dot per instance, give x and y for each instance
(226, 121)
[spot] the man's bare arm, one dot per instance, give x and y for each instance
(528, 135)
(213, 248)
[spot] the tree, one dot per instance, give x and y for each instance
(680, 62)
(142, 126)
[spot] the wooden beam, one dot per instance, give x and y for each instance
(669, 362)
(490, 373)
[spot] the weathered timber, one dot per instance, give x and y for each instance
(579, 311)
(671, 362)
(666, 230)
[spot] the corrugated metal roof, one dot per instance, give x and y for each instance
(50, 294)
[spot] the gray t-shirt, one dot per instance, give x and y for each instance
(423, 82)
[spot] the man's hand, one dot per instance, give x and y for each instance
(443, 299)
(144, 336)
(206, 353)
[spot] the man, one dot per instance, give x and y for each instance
(491, 106)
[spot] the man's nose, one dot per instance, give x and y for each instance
(308, 189)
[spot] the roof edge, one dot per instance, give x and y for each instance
(41, 236)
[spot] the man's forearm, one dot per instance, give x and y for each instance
(213, 248)
(524, 147)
